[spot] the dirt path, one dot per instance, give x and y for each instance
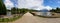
(29, 18)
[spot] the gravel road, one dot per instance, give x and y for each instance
(29, 18)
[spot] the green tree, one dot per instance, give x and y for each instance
(23, 10)
(2, 8)
(57, 9)
(14, 10)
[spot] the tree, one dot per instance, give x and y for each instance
(2, 8)
(23, 10)
(57, 10)
(14, 10)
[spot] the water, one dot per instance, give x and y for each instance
(44, 13)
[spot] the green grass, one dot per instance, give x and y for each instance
(46, 16)
(9, 19)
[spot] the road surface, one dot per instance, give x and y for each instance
(29, 18)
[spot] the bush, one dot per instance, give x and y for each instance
(9, 19)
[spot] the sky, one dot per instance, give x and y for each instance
(32, 4)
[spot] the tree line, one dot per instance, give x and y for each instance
(57, 10)
(23, 10)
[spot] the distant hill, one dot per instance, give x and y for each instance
(44, 10)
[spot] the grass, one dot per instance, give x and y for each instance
(9, 19)
(46, 16)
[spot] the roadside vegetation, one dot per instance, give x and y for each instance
(10, 19)
(2, 8)
(47, 16)
(3, 11)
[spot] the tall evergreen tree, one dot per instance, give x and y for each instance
(2, 8)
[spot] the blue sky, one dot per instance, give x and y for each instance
(15, 2)
(48, 4)
(52, 3)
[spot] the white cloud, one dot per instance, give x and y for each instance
(33, 4)
(28, 3)
(48, 7)
(8, 4)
